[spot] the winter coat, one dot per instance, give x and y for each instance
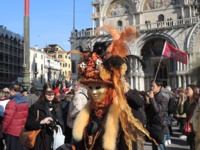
(136, 103)
(158, 111)
(44, 139)
(15, 115)
(76, 105)
(31, 98)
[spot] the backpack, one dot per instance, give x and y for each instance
(172, 105)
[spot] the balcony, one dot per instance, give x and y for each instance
(95, 15)
(157, 26)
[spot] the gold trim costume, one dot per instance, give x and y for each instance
(108, 122)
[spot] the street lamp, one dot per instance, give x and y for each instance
(26, 64)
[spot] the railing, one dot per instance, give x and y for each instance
(96, 1)
(95, 15)
(161, 25)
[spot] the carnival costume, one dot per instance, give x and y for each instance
(109, 123)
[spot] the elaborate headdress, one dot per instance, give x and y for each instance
(108, 65)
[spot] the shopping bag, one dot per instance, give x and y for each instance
(58, 138)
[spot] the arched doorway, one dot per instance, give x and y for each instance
(162, 72)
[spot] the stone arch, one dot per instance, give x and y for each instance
(192, 43)
(139, 43)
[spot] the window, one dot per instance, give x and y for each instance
(41, 79)
(119, 23)
(65, 64)
(59, 56)
(41, 56)
(73, 66)
(42, 67)
(161, 17)
(35, 67)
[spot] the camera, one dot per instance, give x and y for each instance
(52, 125)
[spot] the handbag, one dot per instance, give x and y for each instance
(27, 138)
(187, 128)
(58, 138)
(156, 132)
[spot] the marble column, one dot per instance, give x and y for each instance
(189, 80)
(190, 11)
(131, 82)
(178, 67)
(136, 82)
(184, 82)
(179, 81)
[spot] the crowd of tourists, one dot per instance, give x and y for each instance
(159, 106)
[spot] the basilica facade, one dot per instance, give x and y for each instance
(158, 21)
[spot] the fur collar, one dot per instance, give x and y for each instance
(111, 125)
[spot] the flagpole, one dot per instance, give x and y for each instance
(159, 63)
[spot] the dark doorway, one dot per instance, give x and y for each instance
(162, 72)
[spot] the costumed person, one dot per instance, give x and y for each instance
(50, 115)
(106, 122)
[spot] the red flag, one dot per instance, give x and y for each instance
(174, 53)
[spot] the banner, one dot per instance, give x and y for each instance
(174, 53)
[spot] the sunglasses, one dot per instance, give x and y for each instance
(49, 93)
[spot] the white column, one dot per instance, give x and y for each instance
(182, 12)
(178, 68)
(189, 80)
(131, 81)
(179, 81)
(142, 84)
(181, 66)
(139, 83)
(136, 82)
(190, 11)
(184, 82)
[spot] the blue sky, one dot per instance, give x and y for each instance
(51, 21)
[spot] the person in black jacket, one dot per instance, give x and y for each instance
(136, 102)
(50, 115)
(158, 110)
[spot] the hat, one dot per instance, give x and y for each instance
(6, 89)
(102, 64)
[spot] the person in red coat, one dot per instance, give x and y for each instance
(15, 116)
